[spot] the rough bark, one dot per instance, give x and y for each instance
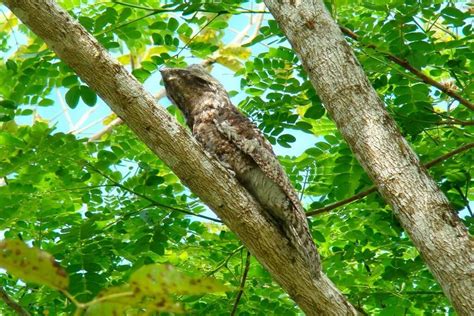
(422, 209)
(176, 147)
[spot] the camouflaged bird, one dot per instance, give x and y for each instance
(241, 147)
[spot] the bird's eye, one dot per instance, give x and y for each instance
(200, 81)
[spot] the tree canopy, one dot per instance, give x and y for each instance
(108, 210)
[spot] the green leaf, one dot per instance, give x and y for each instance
(287, 138)
(141, 74)
(160, 279)
(318, 236)
(70, 81)
(126, 12)
(32, 264)
(46, 102)
(11, 65)
(173, 24)
(185, 30)
(417, 36)
(8, 104)
(72, 97)
(453, 12)
(154, 180)
(218, 24)
(314, 112)
(9, 140)
(157, 39)
(88, 95)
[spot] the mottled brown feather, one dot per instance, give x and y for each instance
(242, 148)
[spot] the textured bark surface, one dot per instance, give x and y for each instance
(178, 149)
(422, 209)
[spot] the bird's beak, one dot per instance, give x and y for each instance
(165, 72)
(169, 74)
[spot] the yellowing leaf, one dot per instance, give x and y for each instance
(159, 279)
(113, 301)
(230, 62)
(207, 35)
(106, 308)
(154, 50)
(124, 59)
(151, 289)
(109, 118)
(184, 256)
(8, 22)
(235, 51)
(32, 264)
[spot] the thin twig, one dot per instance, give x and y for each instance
(225, 261)
(405, 64)
(149, 199)
(372, 189)
(81, 120)
(12, 304)
(116, 27)
(7, 19)
(449, 155)
(65, 109)
(239, 38)
(243, 11)
(197, 33)
(242, 284)
(456, 122)
(82, 129)
(305, 182)
(258, 23)
(106, 129)
(464, 198)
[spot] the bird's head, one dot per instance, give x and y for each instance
(189, 87)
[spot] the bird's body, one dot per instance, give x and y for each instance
(241, 147)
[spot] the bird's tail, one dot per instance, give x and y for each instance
(304, 240)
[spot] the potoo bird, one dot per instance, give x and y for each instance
(241, 147)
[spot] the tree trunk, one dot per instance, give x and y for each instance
(176, 147)
(420, 206)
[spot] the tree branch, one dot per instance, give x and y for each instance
(242, 285)
(225, 261)
(405, 64)
(454, 121)
(243, 11)
(12, 304)
(421, 208)
(176, 147)
(372, 189)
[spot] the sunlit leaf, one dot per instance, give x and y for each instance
(32, 264)
(159, 279)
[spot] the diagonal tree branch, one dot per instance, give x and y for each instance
(405, 64)
(372, 189)
(170, 141)
(362, 119)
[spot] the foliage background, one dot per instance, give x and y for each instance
(106, 208)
